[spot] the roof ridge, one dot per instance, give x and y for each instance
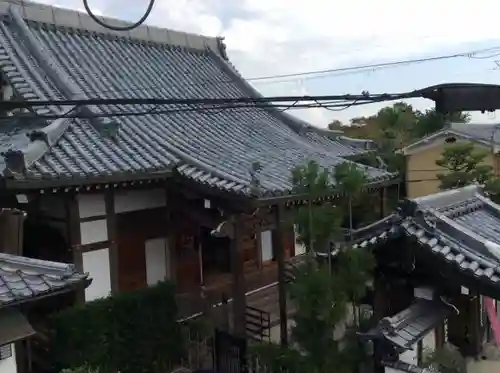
(63, 17)
(56, 268)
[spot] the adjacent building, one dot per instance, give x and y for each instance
(135, 194)
(421, 156)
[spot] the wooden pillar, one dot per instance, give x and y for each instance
(112, 237)
(280, 258)
(73, 226)
(383, 202)
(475, 324)
(239, 286)
(171, 233)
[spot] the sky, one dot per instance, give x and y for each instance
(271, 37)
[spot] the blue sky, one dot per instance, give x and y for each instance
(267, 37)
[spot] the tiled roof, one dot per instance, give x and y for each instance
(23, 279)
(50, 53)
(401, 366)
(411, 325)
(462, 227)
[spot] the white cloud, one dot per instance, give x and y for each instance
(266, 37)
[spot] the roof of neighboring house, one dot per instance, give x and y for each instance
(483, 134)
(52, 53)
(460, 227)
(24, 279)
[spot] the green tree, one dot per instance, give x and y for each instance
(335, 125)
(464, 165)
(431, 121)
(322, 291)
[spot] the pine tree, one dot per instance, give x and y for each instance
(322, 291)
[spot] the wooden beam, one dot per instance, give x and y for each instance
(280, 258)
(383, 202)
(75, 240)
(109, 201)
(238, 285)
(171, 204)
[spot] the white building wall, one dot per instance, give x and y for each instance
(9, 365)
(97, 262)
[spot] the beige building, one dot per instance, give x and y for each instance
(421, 156)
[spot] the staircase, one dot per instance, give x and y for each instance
(267, 300)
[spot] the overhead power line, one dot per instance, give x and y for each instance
(101, 23)
(467, 54)
(334, 99)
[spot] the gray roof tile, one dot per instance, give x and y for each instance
(411, 325)
(462, 227)
(44, 60)
(402, 366)
(23, 279)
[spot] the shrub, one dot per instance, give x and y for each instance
(130, 332)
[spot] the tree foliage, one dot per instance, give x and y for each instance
(396, 126)
(322, 293)
(464, 165)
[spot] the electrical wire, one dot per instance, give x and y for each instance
(467, 54)
(101, 23)
(345, 99)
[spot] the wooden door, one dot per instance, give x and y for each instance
(188, 265)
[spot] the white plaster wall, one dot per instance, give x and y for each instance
(429, 341)
(93, 231)
(91, 205)
(9, 365)
(410, 356)
(134, 200)
(157, 260)
(96, 263)
(266, 246)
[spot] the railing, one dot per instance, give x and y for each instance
(258, 324)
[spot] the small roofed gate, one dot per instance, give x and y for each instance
(230, 353)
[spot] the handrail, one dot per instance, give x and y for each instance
(248, 293)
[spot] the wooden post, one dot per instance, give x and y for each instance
(73, 221)
(171, 230)
(383, 202)
(280, 258)
(239, 286)
(112, 237)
